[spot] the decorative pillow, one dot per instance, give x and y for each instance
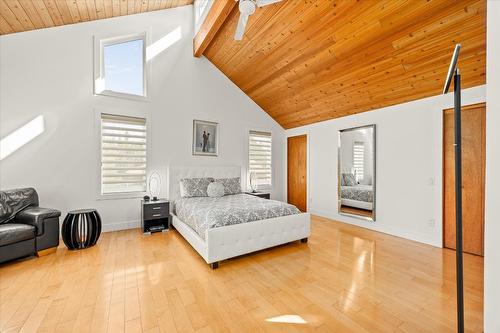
(231, 185)
(194, 187)
(349, 179)
(215, 190)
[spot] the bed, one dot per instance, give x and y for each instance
(357, 196)
(226, 227)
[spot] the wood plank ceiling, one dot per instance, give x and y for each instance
(23, 15)
(305, 61)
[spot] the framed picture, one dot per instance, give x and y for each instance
(205, 138)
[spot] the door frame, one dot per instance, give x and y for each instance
(464, 107)
(307, 166)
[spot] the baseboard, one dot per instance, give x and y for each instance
(413, 236)
(107, 227)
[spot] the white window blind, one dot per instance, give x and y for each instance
(260, 159)
(123, 154)
(359, 160)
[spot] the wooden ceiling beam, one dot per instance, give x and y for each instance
(216, 16)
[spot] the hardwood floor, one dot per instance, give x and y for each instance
(356, 211)
(346, 279)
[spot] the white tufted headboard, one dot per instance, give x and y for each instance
(175, 174)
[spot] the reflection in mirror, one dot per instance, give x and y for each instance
(356, 172)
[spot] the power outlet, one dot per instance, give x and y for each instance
(431, 223)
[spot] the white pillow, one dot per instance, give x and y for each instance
(215, 190)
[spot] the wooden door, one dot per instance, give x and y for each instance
(473, 175)
(297, 171)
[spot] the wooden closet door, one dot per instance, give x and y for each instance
(473, 176)
(297, 172)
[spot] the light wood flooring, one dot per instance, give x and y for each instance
(356, 211)
(346, 279)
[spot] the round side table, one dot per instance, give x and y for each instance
(81, 228)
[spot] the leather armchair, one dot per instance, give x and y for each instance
(25, 228)
(46, 223)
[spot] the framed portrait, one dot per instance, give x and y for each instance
(205, 138)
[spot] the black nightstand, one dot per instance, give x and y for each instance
(263, 195)
(155, 216)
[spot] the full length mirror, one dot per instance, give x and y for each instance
(356, 193)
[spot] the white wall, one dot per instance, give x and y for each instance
(492, 221)
(49, 72)
(408, 166)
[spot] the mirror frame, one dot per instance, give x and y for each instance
(339, 172)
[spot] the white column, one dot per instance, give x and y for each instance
(492, 214)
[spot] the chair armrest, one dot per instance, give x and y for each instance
(36, 216)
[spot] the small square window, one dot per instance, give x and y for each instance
(120, 66)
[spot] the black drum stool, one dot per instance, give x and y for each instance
(81, 228)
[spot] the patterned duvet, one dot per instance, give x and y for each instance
(358, 193)
(202, 213)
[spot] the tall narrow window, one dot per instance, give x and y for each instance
(200, 6)
(260, 159)
(359, 160)
(120, 66)
(123, 154)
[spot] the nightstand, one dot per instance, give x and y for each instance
(155, 216)
(263, 195)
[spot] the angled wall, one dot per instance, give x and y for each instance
(49, 73)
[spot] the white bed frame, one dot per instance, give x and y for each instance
(357, 204)
(234, 240)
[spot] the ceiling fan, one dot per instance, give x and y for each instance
(247, 8)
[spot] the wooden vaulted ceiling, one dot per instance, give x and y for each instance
(23, 15)
(305, 61)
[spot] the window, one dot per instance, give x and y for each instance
(260, 159)
(359, 160)
(200, 8)
(120, 66)
(123, 154)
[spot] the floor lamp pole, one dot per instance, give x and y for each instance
(458, 201)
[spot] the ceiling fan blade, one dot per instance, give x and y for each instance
(240, 28)
(262, 3)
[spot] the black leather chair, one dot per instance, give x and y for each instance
(25, 228)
